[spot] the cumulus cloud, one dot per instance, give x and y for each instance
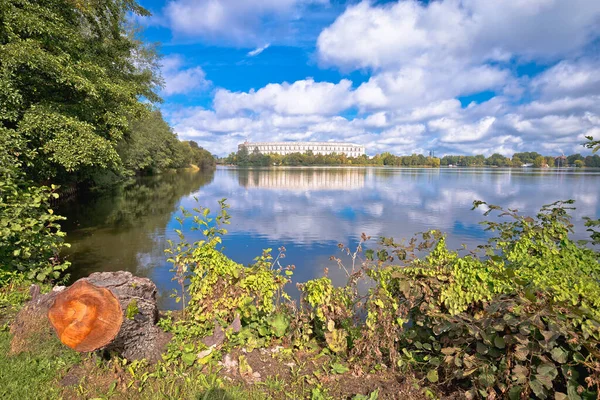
(415, 33)
(300, 97)
(236, 21)
(428, 64)
(181, 80)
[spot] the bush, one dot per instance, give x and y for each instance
(30, 231)
(515, 318)
(219, 290)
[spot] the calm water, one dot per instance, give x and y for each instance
(307, 210)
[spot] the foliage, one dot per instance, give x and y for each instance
(71, 75)
(517, 317)
(30, 231)
(198, 156)
(152, 147)
(219, 288)
(592, 144)
(514, 318)
(255, 158)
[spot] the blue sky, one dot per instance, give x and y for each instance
(453, 76)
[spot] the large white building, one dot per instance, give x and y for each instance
(283, 148)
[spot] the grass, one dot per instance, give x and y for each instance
(50, 370)
(33, 376)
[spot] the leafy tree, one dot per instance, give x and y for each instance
(71, 76)
(151, 146)
(539, 162)
(592, 161)
(199, 156)
(527, 157)
(498, 160)
(242, 156)
(571, 160)
(579, 163)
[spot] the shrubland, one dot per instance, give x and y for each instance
(515, 318)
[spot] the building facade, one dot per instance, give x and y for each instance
(283, 148)
(313, 179)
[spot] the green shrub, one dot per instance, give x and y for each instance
(29, 230)
(218, 289)
(518, 317)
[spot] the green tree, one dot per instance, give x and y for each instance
(151, 146)
(71, 77)
(539, 162)
(243, 158)
(579, 163)
(498, 160)
(574, 157)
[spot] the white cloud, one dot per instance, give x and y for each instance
(474, 31)
(413, 86)
(237, 21)
(570, 78)
(179, 79)
(459, 131)
(258, 50)
(423, 59)
(300, 97)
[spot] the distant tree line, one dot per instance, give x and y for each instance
(520, 159)
(244, 158)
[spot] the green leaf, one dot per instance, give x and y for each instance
(547, 370)
(188, 358)
(499, 342)
(482, 348)
(538, 389)
(338, 368)
(432, 376)
(279, 324)
(514, 393)
(559, 355)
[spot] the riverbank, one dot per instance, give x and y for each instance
(520, 319)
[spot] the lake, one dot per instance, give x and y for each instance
(308, 211)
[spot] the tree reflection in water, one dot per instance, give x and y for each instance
(124, 229)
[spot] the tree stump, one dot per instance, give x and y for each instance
(113, 311)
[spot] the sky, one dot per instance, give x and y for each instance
(449, 76)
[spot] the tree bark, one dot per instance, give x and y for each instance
(86, 312)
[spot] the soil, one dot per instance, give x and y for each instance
(271, 364)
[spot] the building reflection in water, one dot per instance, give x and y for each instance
(314, 179)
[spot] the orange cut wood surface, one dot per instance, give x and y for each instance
(86, 317)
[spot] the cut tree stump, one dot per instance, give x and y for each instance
(86, 317)
(112, 311)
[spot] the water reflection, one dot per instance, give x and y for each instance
(300, 179)
(125, 229)
(310, 210)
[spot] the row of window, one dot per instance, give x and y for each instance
(277, 148)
